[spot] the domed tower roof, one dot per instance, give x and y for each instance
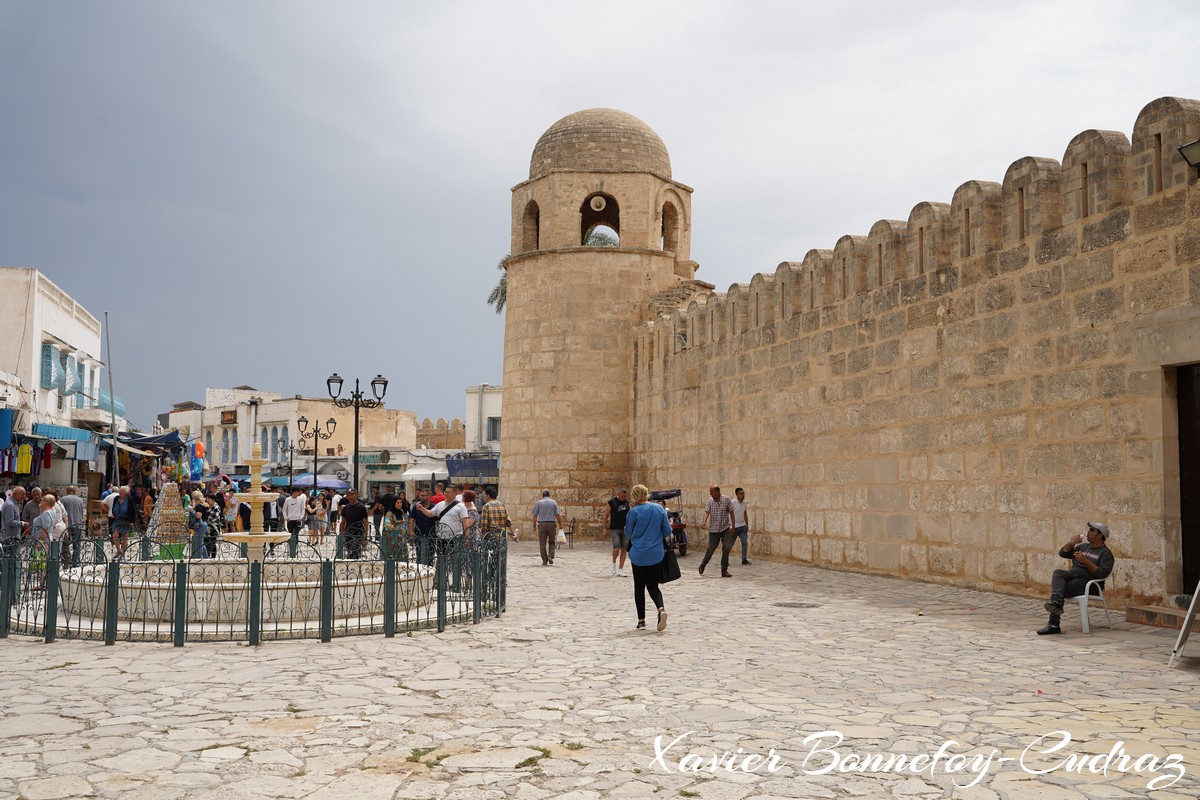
(600, 140)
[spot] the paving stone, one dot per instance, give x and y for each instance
(564, 671)
(31, 724)
(66, 786)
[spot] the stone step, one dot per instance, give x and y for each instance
(1157, 616)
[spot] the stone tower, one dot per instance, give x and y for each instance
(571, 310)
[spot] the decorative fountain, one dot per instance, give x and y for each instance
(218, 589)
(256, 539)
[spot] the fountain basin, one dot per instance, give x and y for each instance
(219, 590)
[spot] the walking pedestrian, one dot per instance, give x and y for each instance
(741, 521)
(354, 524)
(384, 501)
(198, 524)
(293, 514)
(33, 506)
(12, 527)
(649, 532)
(548, 519)
(718, 517)
(494, 516)
(392, 534)
(124, 513)
(423, 527)
(614, 517)
(315, 510)
(148, 499)
(271, 516)
(76, 512)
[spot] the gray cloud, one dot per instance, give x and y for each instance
(350, 164)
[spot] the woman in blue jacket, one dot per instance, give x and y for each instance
(648, 529)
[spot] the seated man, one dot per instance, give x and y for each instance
(1091, 560)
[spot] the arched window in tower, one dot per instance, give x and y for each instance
(598, 213)
(670, 227)
(262, 442)
(208, 451)
(237, 453)
(275, 443)
(530, 227)
(225, 447)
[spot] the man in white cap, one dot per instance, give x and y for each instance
(1090, 560)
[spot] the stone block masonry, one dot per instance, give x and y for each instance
(952, 397)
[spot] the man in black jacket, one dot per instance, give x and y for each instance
(1090, 560)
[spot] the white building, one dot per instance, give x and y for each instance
(51, 376)
(483, 417)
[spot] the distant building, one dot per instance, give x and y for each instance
(483, 417)
(231, 420)
(442, 435)
(50, 379)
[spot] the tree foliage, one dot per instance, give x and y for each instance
(499, 294)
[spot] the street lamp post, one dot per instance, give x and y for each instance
(291, 451)
(316, 434)
(356, 400)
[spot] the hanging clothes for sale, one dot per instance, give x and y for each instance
(47, 454)
(6, 428)
(24, 459)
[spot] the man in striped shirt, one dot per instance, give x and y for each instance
(718, 518)
(494, 515)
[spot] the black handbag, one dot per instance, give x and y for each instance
(670, 568)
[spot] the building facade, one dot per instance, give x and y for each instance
(948, 397)
(571, 310)
(231, 420)
(484, 404)
(51, 377)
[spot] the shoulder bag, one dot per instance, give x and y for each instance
(670, 567)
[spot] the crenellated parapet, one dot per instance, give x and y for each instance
(1101, 178)
(952, 395)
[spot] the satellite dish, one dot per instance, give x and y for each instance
(385, 457)
(598, 203)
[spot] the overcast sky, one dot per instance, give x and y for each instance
(266, 192)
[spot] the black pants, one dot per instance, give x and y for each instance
(425, 544)
(293, 527)
(724, 538)
(1065, 584)
(645, 579)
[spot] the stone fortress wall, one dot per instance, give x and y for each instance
(952, 396)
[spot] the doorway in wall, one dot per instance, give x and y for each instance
(1188, 378)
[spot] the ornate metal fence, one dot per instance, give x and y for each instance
(83, 587)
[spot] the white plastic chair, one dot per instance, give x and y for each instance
(1087, 596)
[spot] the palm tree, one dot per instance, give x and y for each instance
(499, 293)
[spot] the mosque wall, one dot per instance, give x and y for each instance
(952, 396)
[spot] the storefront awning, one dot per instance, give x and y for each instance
(108, 443)
(61, 432)
(426, 472)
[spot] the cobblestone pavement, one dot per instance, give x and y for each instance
(562, 698)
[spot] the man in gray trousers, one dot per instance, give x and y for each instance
(548, 518)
